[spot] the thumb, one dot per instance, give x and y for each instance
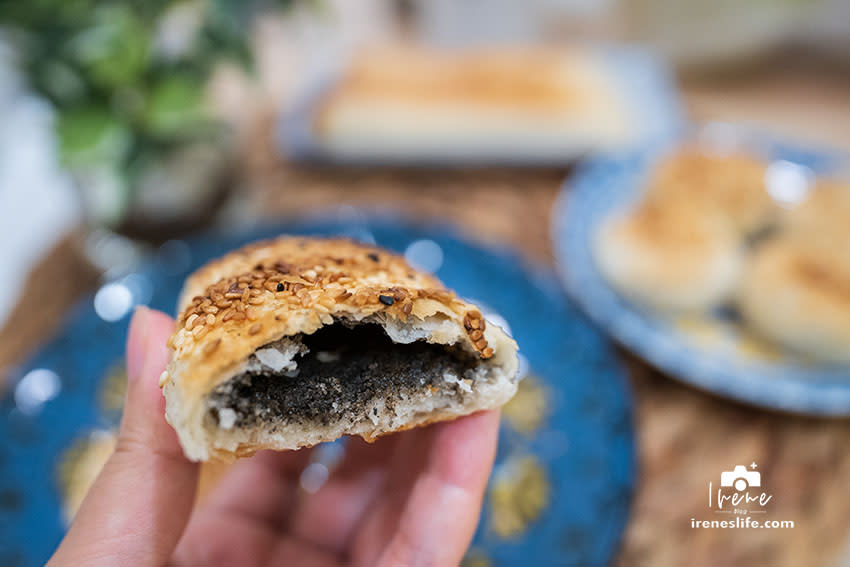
(137, 508)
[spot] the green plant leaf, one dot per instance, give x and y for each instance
(175, 106)
(91, 135)
(114, 48)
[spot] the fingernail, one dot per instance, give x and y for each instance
(137, 340)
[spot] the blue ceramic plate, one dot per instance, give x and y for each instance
(713, 352)
(561, 489)
(649, 98)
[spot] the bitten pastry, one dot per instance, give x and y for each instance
(295, 341)
(669, 259)
(798, 295)
(510, 103)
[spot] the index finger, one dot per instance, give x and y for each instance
(435, 523)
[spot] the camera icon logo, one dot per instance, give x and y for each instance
(740, 478)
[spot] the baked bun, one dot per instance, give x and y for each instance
(516, 103)
(295, 341)
(799, 296)
(669, 259)
(731, 185)
(823, 217)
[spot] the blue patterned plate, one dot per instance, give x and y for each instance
(712, 352)
(565, 470)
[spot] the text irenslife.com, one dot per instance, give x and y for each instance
(742, 522)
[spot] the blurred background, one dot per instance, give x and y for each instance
(126, 127)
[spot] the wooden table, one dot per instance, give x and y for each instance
(684, 437)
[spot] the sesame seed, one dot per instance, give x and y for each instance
(319, 283)
(210, 347)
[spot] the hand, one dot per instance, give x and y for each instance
(411, 498)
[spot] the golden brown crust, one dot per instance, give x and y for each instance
(799, 296)
(538, 81)
(301, 274)
(733, 185)
(822, 218)
(269, 290)
(669, 260)
(504, 77)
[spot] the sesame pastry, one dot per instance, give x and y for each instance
(295, 341)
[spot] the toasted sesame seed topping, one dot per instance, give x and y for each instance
(263, 288)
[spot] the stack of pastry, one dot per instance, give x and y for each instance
(517, 103)
(707, 233)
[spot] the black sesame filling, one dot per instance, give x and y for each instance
(345, 370)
